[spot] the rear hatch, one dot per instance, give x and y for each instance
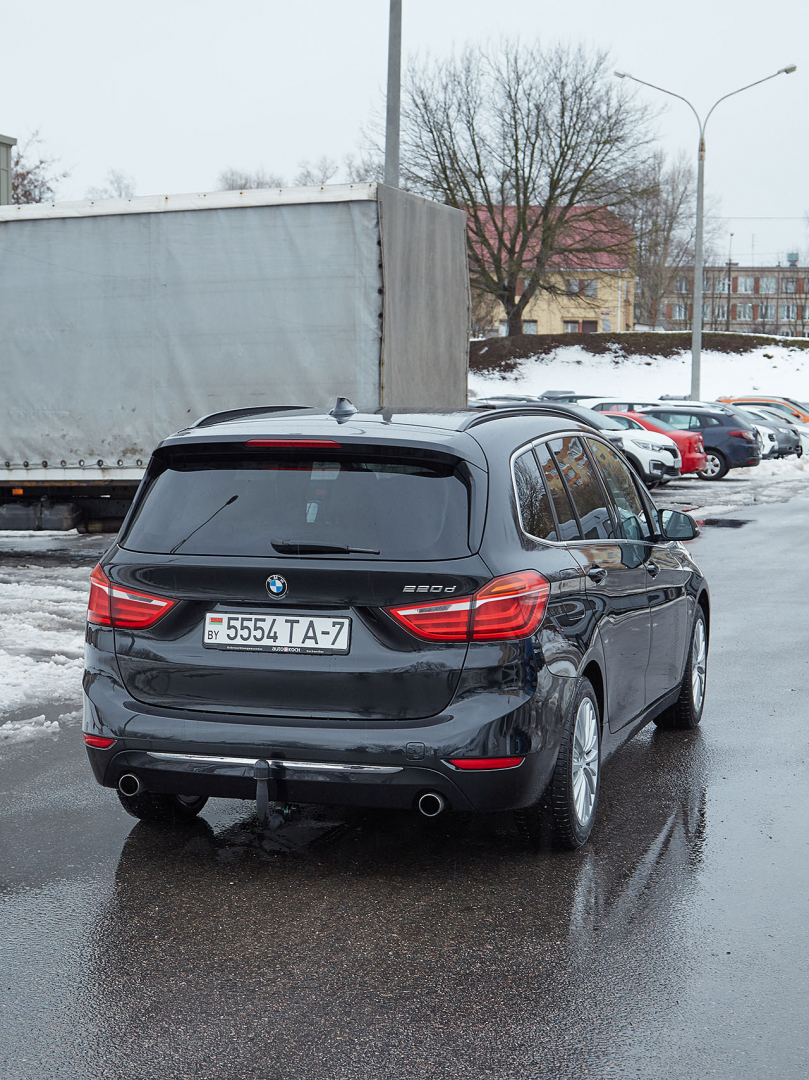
(280, 559)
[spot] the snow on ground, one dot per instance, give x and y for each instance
(768, 369)
(42, 612)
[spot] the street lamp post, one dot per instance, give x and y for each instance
(392, 104)
(696, 319)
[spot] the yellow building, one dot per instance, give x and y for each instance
(589, 302)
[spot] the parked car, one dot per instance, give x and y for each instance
(656, 458)
(797, 409)
(689, 443)
(607, 404)
(785, 441)
(730, 443)
(766, 434)
(800, 429)
(466, 611)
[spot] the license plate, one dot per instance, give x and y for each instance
(291, 632)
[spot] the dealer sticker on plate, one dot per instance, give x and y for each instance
(291, 632)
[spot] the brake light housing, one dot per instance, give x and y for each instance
(737, 433)
(485, 764)
(512, 606)
(294, 444)
(98, 742)
(122, 608)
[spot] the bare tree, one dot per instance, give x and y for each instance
(534, 144)
(368, 167)
(118, 186)
(243, 180)
(33, 176)
(316, 174)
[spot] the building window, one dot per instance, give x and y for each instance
(529, 326)
(767, 285)
(572, 286)
(720, 312)
(678, 312)
(591, 287)
(571, 327)
(744, 312)
(711, 311)
(789, 312)
(589, 326)
(747, 285)
(503, 329)
(766, 312)
(789, 284)
(681, 284)
(722, 285)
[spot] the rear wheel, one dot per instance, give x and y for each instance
(686, 713)
(566, 811)
(169, 809)
(715, 466)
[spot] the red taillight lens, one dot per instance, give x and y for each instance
(749, 435)
(507, 607)
(98, 741)
(113, 605)
(481, 763)
(285, 444)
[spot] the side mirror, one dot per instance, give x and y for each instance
(675, 525)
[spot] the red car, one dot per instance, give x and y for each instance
(689, 443)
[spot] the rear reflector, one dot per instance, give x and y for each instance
(483, 763)
(113, 605)
(512, 606)
(285, 444)
(98, 741)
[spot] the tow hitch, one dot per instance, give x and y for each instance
(280, 814)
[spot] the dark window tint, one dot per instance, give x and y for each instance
(585, 490)
(632, 517)
(535, 508)
(566, 519)
(240, 506)
(689, 421)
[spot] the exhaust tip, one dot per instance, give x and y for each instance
(129, 784)
(431, 804)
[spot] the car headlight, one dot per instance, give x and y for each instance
(649, 446)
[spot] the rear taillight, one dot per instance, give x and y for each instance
(480, 764)
(738, 434)
(113, 605)
(506, 607)
(285, 444)
(99, 742)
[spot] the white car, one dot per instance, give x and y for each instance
(655, 456)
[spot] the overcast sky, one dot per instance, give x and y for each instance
(171, 92)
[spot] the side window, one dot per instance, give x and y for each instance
(585, 490)
(532, 498)
(568, 526)
(681, 421)
(634, 523)
(708, 421)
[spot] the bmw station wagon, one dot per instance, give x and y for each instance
(456, 611)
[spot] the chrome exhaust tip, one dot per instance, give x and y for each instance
(129, 784)
(431, 804)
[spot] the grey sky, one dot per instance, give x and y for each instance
(173, 91)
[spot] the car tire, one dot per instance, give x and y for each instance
(565, 813)
(166, 809)
(715, 467)
(686, 713)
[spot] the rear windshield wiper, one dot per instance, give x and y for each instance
(297, 547)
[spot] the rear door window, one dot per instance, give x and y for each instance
(584, 487)
(567, 525)
(240, 504)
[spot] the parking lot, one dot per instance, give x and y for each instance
(345, 944)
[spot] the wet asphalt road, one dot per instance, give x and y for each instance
(674, 945)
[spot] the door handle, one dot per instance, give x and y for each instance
(652, 569)
(597, 574)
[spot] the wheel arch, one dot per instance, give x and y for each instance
(704, 602)
(593, 673)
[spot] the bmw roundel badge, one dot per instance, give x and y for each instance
(277, 586)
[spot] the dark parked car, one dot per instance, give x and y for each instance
(465, 610)
(730, 441)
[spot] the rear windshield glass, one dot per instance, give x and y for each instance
(269, 506)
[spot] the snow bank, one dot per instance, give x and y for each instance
(767, 369)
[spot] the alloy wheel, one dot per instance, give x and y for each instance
(699, 653)
(585, 761)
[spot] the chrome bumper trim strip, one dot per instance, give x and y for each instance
(297, 766)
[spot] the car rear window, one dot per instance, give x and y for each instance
(404, 509)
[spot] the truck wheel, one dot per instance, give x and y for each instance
(567, 809)
(686, 713)
(167, 809)
(715, 466)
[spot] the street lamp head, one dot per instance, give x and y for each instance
(620, 74)
(788, 70)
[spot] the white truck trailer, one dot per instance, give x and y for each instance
(124, 320)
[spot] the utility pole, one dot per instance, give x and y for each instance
(731, 264)
(393, 101)
(6, 143)
(696, 320)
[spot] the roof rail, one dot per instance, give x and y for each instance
(494, 412)
(239, 414)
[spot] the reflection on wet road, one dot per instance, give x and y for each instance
(381, 946)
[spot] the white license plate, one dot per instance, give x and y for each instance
(291, 632)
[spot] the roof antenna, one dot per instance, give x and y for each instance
(343, 410)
